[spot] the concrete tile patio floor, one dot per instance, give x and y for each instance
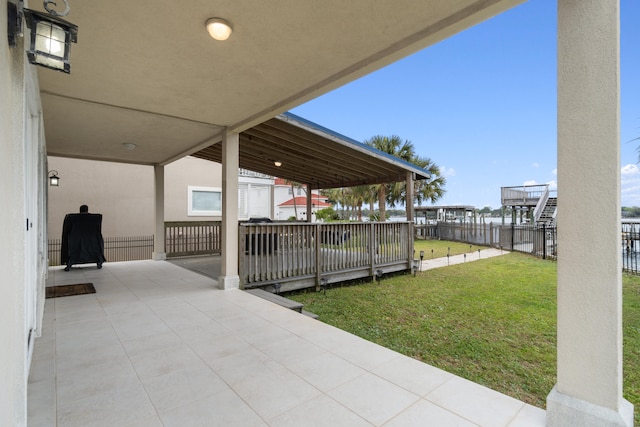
(158, 345)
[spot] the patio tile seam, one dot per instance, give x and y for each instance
(313, 398)
(453, 378)
(286, 368)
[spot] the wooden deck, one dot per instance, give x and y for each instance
(293, 256)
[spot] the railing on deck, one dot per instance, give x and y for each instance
(185, 238)
(525, 195)
(128, 248)
(307, 253)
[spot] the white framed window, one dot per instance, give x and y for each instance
(204, 201)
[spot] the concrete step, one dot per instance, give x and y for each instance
(310, 314)
(276, 299)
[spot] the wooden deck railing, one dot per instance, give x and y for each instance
(298, 255)
(525, 195)
(184, 238)
(295, 255)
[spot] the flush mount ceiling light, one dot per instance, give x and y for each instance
(277, 163)
(129, 146)
(218, 28)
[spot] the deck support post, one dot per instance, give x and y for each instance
(309, 204)
(410, 192)
(318, 260)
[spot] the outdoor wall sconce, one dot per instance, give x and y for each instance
(219, 29)
(50, 37)
(54, 179)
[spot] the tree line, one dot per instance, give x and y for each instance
(631, 212)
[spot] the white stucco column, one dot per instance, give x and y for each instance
(589, 387)
(159, 253)
(229, 278)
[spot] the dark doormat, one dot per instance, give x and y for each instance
(70, 290)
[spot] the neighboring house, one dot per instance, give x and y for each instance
(288, 200)
(298, 204)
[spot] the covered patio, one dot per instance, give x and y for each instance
(158, 345)
(147, 76)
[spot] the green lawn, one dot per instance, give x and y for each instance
(440, 248)
(492, 321)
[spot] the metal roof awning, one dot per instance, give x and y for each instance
(311, 154)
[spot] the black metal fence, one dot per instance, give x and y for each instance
(630, 247)
(128, 248)
(540, 241)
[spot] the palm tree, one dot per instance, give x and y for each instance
(433, 188)
(396, 147)
(295, 185)
(423, 190)
(361, 194)
(336, 197)
(392, 193)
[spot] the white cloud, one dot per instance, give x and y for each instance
(536, 165)
(630, 185)
(554, 172)
(553, 185)
(447, 171)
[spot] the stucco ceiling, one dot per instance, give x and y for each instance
(147, 72)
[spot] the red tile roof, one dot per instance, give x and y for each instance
(317, 200)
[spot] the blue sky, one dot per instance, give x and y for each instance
(482, 104)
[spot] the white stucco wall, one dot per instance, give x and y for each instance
(122, 193)
(21, 193)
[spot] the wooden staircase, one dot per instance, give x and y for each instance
(548, 216)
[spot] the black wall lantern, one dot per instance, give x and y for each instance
(54, 179)
(50, 37)
(51, 40)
